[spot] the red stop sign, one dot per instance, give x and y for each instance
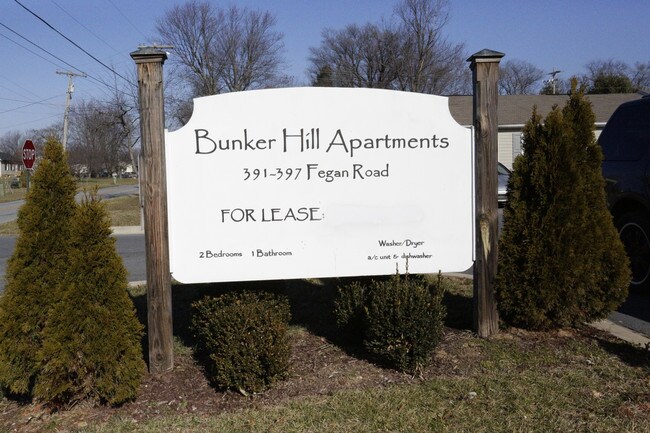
(29, 154)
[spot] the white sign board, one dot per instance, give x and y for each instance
(318, 182)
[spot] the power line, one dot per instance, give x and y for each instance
(32, 102)
(86, 28)
(27, 105)
(126, 18)
(37, 46)
(17, 85)
(14, 125)
(74, 43)
(51, 54)
(27, 49)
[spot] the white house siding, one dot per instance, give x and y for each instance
(509, 145)
(514, 111)
(505, 149)
(597, 132)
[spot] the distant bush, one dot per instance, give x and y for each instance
(398, 321)
(243, 337)
(22, 180)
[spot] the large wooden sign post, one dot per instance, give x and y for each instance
(149, 63)
(485, 72)
(311, 182)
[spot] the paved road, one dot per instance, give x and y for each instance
(116, 191)
(634, 313)
(9, 210)
(129, 246)
(7, 244)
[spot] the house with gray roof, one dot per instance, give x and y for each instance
(515, 110)
(10, 165)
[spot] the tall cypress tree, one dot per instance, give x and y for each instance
(561, 262)
(91, 343)
(36, 269)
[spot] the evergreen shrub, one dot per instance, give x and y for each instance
(243, 338)
(68, 329)
(92, 340)
(23, 179)
(349, 310)
(399, 321)
(561, 262)
(36, 269)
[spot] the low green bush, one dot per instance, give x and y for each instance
(349, 310)
(242, 336)
(398, 321)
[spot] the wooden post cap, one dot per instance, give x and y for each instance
(486, 55)
(149, 54)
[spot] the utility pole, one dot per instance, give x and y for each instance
(67, 102)
(553, 80)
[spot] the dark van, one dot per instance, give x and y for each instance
(626, 167)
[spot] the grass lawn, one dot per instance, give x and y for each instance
(123, 211)
(575, 380)
(13, 194)
(104, 182)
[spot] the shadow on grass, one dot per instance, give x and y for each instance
(459, 311)
(311, 304)
(634, 356)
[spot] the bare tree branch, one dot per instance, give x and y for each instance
(518, 77)
(429, 62)
(99, 142)
(192, 29)
(248, 50)
(358, 56)
(219, 50)
(410, 54)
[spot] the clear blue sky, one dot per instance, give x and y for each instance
(562, 34)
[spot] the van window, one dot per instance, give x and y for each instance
(627, 134)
